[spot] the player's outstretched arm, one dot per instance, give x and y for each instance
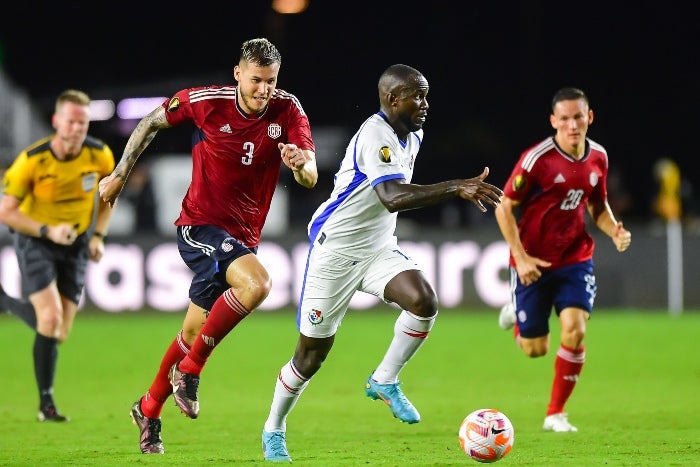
(397, 195)
(479, 192)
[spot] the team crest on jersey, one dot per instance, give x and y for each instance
(315, 316)
(519, 182)
(593, 178)
(385, 154)
(227, 246)
(274, 131)
(174, 104)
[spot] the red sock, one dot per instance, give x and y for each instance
(226, 313)
(160, 390)
(567, 368)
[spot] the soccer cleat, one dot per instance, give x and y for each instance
(392, 396)
(185, 387)
(506, 318)
(49, 413)
(150, 441)
(274, 446)
(558, 422)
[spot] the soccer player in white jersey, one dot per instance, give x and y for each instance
(353, 248)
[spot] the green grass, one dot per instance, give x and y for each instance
(637, 402)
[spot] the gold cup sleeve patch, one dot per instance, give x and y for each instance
(385, 154)
(174, 104)
(519, 182)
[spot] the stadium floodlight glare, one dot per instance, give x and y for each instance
(290, 6)
(135, 108)
(101, 110)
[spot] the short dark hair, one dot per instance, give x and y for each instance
(569, 94)
(260, 51)
(397, 78)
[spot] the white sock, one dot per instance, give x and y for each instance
(410, 332)
(289, 386)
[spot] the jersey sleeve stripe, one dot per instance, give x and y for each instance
(281, 94)
(535, 153)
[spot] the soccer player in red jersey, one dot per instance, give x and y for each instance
(551, 253)
(242, 135)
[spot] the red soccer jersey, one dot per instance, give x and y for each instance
(235, 159)
(553, 189)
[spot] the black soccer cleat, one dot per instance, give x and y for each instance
(149, 441)
(49, 413)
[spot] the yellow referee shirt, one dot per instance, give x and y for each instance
(54, 191)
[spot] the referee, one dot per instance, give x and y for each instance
(49, 202)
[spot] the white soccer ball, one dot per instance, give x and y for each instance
(486, 435)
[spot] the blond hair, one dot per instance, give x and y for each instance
(72, 95)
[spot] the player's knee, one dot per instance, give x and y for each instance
(534, 348)
(260, 289)
(49, 323)
(265, 287)
(308, 363)
(424, 305)
(310, 354)
(189, 334)
(63, 336)
(534, 352)
(573, 339)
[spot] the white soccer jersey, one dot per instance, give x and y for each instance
(353, 221)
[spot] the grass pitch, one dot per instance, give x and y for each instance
(636, 403)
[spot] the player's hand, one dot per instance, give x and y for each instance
(292, 156)
(479, 192)
(621, 237)
(110, 187)
(62, 234)
(96, 248)
(528, 268)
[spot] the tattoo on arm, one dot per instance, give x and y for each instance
(139, 140)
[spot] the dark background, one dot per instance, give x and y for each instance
(492, 67)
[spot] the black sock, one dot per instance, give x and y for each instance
(22, 309)
(45, 356)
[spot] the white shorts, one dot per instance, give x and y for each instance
(331, 281)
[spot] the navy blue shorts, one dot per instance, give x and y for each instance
(208, 251)
(569, 286)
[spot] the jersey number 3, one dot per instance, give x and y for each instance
(248, 148)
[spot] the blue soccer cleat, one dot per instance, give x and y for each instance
(392, 396)
(274, 446)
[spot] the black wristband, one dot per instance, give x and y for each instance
(99, 235)
(44, 231)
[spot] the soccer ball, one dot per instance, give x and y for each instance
(486, 435)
